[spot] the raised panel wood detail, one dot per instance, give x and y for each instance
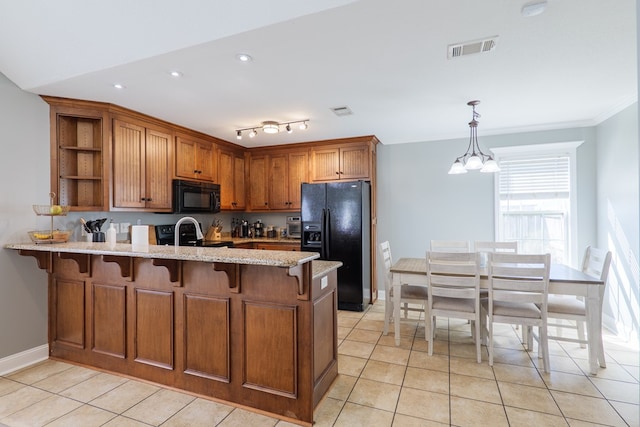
(225, 178)
(324, 330)
(69, 312)
(158, 174)
(326, 165)
(270, 359)
(238, 182)
(278, 188)
(259, 195)
(354, 162)
(154, 319)
(298, 173)
(109, 320)
(185, 155)
(128, 165)
(206, 337)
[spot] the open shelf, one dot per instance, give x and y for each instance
(80, 161)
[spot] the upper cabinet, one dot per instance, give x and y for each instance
(258, 199)
(286, 172)
(231, 171)
(346, 162)
(79, 154)
(195, 159)
(141, 167)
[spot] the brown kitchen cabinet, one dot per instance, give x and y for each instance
(346, 162)
(141, 167)
(79, 154)
(258, 182)
(231, 171)
(195, 159)
(278, 246)
(286, 172)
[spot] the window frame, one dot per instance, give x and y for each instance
(568, 148)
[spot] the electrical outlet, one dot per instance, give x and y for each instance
(124, 227)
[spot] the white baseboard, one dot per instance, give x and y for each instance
(25, 358)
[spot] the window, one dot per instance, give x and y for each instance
(535, 199)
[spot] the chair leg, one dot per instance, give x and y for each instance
(388, 312)
(478, 337)
(431, 327)
(491, 344)
(581, 336)
(544, 344)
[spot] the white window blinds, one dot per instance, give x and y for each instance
(535, 177)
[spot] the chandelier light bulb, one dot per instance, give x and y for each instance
(289, 128)
(474, 162)
(490, 166)
(303, 126)
(252, 133)
(239, 134)
(457, 168)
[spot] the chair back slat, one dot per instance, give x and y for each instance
(596, 263)
(526, 276)
(450, 246)
(485, 246)
(452, 270)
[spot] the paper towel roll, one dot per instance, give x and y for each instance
(140, 236)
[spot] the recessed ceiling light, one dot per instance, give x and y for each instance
(118, 86)
(533, 8)
(243, 57)
(175, 74)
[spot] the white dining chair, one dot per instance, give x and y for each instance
(486, 247)
(453, 280)
(595, 263)
(518, 292)
(412, 297)
(450, 246)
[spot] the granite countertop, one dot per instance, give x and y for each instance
(186, 253)
(321, 268)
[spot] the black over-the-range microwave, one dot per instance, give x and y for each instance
(195, 197)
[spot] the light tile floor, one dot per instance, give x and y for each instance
(379, 384)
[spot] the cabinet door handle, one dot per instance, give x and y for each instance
(337, 173)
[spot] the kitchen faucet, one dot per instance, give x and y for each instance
(199, 235)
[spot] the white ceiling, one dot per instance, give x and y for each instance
(573, 65)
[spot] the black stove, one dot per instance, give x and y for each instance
(165, 235)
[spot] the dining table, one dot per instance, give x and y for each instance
(563, 280)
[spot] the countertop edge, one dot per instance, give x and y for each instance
(185, 253)
(321, 268)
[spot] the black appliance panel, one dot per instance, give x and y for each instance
(187, 236)
(195, 197)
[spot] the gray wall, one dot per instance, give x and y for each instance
(618, 217)
(418, 201)
(24, 174)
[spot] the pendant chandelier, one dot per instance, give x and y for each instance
(474, 158)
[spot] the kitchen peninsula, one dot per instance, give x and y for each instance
(256, 328)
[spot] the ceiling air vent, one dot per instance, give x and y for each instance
(469, 48)
(342, 111)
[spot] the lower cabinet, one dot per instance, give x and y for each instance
(259, 336)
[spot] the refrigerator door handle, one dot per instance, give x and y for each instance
(327, 234)
(323, 235)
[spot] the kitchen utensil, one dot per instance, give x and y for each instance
(85, 226)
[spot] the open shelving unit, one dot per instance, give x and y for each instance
(80, 162)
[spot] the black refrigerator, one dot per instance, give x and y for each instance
(336, 222)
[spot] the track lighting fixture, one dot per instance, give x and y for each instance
(271, 126)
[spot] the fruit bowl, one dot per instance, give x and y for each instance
(49, 236)
(50, 210)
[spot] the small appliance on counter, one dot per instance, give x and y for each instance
(258, 229)
(165, 235)
(294, 229)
